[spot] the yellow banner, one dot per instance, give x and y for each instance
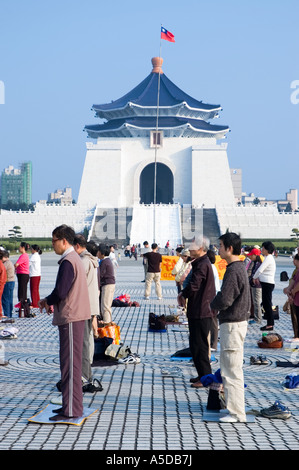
(221, 265)
(169, 262)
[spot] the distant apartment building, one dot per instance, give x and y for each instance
(61, 196)
(290, 203)
(16, 184)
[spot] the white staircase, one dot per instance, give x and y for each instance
(158, 223)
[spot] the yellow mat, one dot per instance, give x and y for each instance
(42, 417)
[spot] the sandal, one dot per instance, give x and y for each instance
(130, 359)
(94, 386)
(263, 360)
(172, 372)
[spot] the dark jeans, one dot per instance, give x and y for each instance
(7, 298)
(199, 341)
(267, 290)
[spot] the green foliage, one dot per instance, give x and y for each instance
(45, 244)
(295, 233)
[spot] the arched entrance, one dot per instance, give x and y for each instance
(164, 185)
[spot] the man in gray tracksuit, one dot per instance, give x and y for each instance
(71, 308)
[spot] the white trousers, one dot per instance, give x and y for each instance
(107, 293)
(150, 277)
(232, 336)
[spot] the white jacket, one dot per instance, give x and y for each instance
(34, 265)
(266, 271)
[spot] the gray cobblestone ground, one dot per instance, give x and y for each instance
(139, 409)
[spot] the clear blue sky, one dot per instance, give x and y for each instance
(58, 58)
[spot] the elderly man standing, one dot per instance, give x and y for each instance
(200, 292)
(71, 309)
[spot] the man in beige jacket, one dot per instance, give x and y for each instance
(91, 264)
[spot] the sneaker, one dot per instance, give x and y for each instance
(255, 360)
(130, 359)
(276, 411)
(91, 387)
(146, 298)
(228, 419)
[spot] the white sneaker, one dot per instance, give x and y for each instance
(146, 298)
(228, 419)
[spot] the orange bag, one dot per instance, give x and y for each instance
(110, 330)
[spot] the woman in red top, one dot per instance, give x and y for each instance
(22, 271)
(3, 279)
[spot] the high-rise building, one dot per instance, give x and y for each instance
(16, 184)
(61, 196)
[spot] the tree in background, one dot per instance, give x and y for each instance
(15, 234)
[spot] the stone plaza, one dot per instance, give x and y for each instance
(141, 409)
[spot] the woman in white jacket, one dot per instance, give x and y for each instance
(35, 274)
(266, 275)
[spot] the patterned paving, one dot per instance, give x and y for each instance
(139, 408)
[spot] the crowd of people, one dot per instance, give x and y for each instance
(27, 270)
(85, 287)
(226, 309)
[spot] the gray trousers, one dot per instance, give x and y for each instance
(86, 363)
(70, 355)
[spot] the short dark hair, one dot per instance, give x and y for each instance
(232, 239)
(269, 247)
(80, 240)
(92, 247)
(296, 256)
(104, 249)
(64, 231)
(179, 249)
(154, 246)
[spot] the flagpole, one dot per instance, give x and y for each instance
(156, 142)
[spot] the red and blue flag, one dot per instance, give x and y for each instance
(167, 35)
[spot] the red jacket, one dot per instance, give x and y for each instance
(3, 276)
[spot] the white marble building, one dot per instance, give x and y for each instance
(156, 168)
(156, 146)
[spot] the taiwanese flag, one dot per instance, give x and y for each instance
(167, 35)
